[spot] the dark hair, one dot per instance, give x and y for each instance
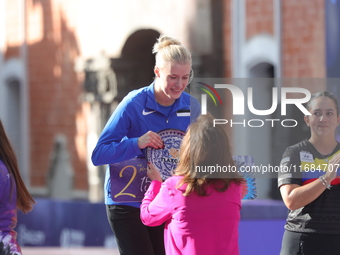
(323, 94)
(205, 145)
(7, 155)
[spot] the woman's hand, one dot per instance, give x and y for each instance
(295, 196)
(333, 165)
(151, 139)
(153, 173)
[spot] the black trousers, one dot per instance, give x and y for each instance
(294, 243)
(132, 236)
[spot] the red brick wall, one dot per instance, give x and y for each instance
(54, 86)
(303, 35)
(259, 17)
(259, 20)
(55, 91)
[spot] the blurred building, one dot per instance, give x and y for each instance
(292, 42)
(66, 64)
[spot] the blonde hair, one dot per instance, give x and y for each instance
(169, 49)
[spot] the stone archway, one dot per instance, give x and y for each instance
(134, 69)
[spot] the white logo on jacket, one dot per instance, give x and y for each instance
(147, 113)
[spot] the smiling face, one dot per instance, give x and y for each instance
(171, 81)
(324, 118)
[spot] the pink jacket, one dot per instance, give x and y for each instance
(194, 224)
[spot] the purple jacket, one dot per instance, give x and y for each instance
(8, 211)
(194, 224)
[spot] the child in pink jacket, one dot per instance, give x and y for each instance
(201, 210)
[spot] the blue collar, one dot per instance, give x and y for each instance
(151, 103)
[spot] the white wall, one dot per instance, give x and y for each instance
(117, 20)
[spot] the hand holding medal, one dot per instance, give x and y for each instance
(150, 139)
(166, 158)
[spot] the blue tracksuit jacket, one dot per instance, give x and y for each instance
(134, 116)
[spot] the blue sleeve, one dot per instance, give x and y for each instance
(113, 145)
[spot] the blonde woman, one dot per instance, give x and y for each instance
(133, 126)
